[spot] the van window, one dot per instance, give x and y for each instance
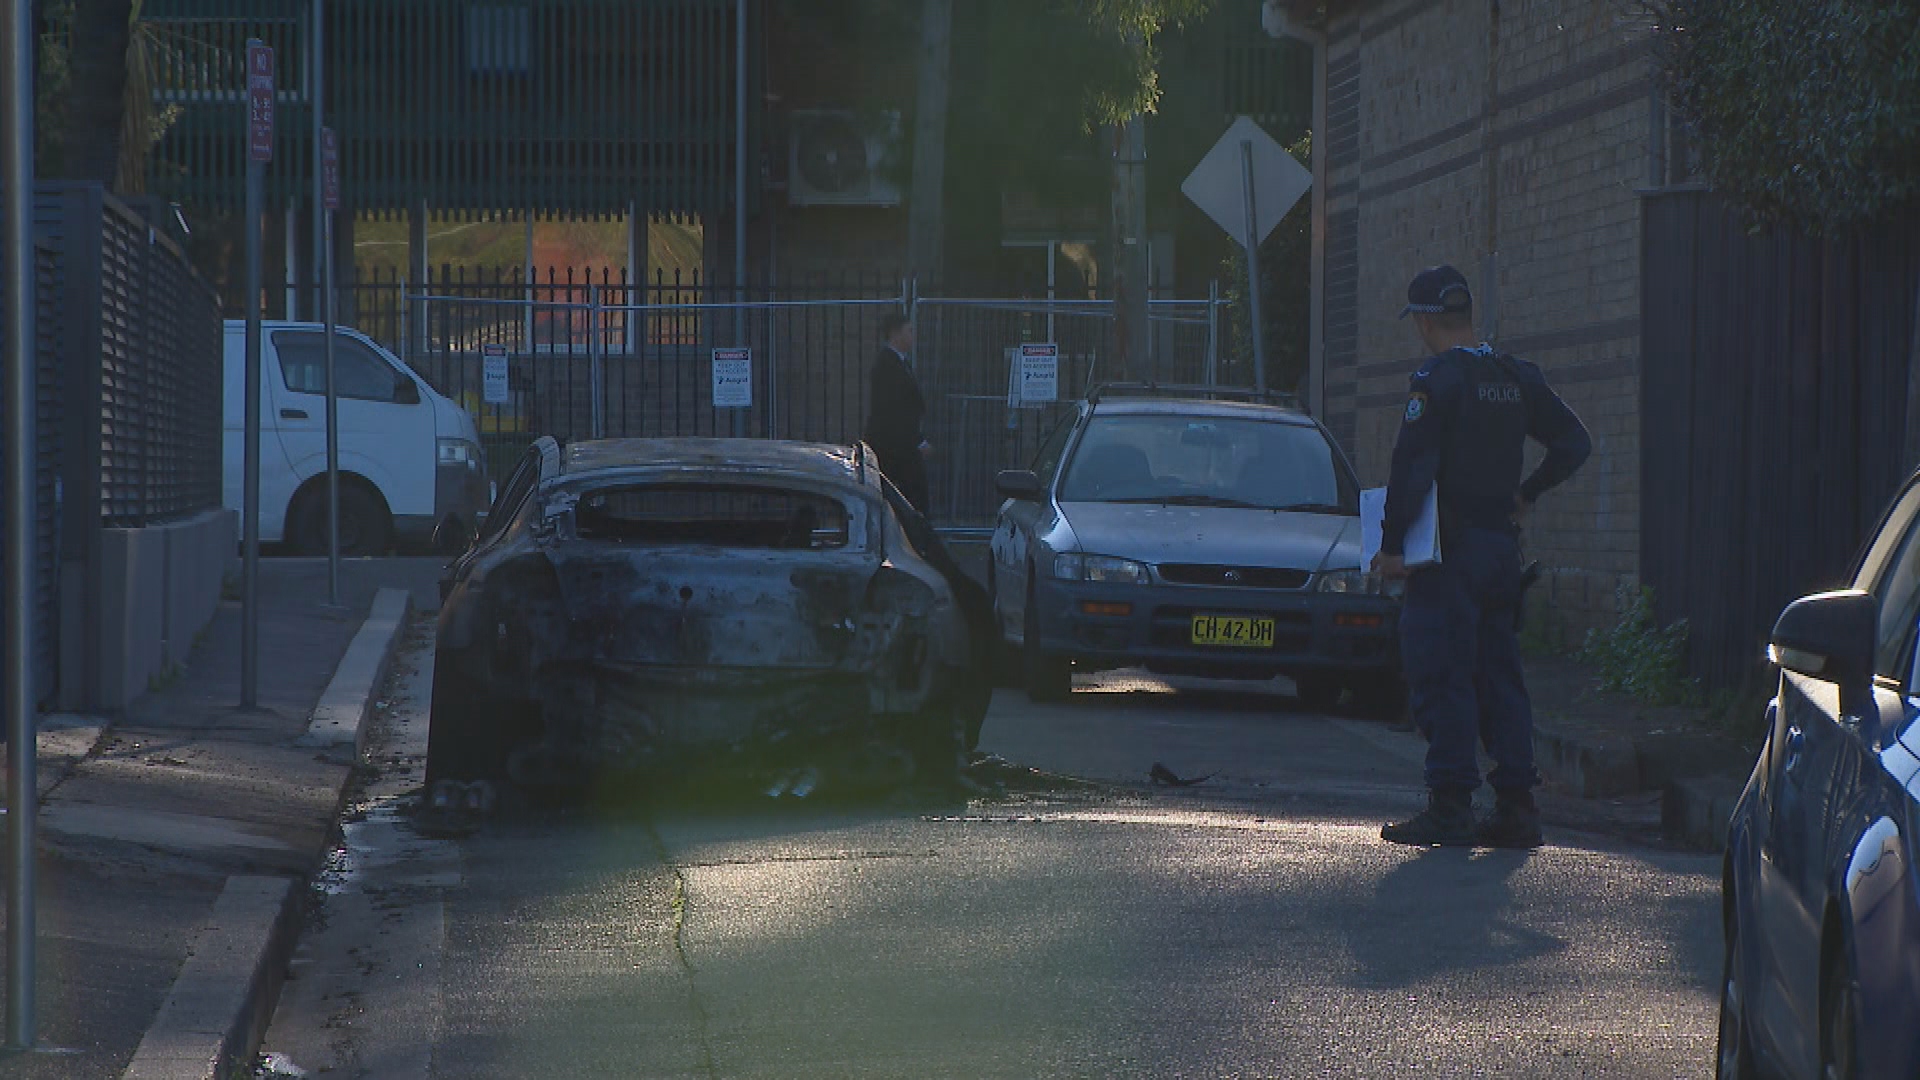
(359, 373)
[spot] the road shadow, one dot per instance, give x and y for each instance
(1441, 912)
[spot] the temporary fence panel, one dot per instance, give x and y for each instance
(969, 350)
(601, 357)
(608, 358)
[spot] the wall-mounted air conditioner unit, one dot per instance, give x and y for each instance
(835, 158)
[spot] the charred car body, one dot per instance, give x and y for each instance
(642, 606)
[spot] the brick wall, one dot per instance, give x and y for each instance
(1464, 129)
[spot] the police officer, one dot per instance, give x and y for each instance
(1468, 416)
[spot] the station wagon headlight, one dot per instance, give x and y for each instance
(1101, 568)
(1350, 582)
(458, 452)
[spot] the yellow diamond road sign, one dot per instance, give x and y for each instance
(1218, 186)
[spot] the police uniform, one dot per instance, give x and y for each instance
(1468, 416)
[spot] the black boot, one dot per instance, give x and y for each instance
(1514, 823)
(1446, 822)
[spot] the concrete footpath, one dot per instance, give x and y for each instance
(176, 841)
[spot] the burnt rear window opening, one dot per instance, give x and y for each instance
(712, 515)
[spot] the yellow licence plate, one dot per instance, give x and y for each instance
(1233, 630)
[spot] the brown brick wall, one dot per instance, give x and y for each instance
(1425, 155)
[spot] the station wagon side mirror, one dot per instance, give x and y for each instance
(405, 392)
(1829, 636)
(1020, 484)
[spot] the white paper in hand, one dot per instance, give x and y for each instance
(1422, 543)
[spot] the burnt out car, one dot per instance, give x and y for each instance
(636, 608)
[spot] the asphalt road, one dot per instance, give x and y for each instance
(1253, 925)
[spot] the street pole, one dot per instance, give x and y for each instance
(260, 105)
(316, 85)
(739, 190)
(328, 198)
(16, 177)
(323, 261)
(1253, 270)
(1130, 300)
(926, 239)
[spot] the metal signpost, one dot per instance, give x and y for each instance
(1246, 160)
(739, 193)
(330, 202)
(16, 179)
(259, 152)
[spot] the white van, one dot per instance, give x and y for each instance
(411, 472)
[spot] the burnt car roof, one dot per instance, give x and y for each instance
(823, 461)
(1172, 405)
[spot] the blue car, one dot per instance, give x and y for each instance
(1822, 902)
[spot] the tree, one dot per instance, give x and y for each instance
(95, 116)
(1804, 113)
(1034, 85)
(88, 104)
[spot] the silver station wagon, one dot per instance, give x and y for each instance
(1172, 529)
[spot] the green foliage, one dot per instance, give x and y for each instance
(144, 122)
(1034, 82)
(1805, 113)
(1637, 657)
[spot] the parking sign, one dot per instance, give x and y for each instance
(329, 169)
(259, 101)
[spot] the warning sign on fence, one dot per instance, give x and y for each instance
(1034, 375)
(732, 378)
(493, 375)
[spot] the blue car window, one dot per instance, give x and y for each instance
(1898, 590)
(1892, 534)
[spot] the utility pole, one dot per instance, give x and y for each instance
(17, 386)
(260, 102)
(926, 212)
(739, 191)
(1133, 338)
(316, 89)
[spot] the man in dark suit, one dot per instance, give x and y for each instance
(896, 411)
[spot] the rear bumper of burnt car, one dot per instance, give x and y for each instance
(623, 717)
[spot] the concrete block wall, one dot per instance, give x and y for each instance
(157, 588)
(1509, 137)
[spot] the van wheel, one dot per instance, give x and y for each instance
(365, 526)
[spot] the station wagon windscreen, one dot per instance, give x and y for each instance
(1207, 461)
(716, 515)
